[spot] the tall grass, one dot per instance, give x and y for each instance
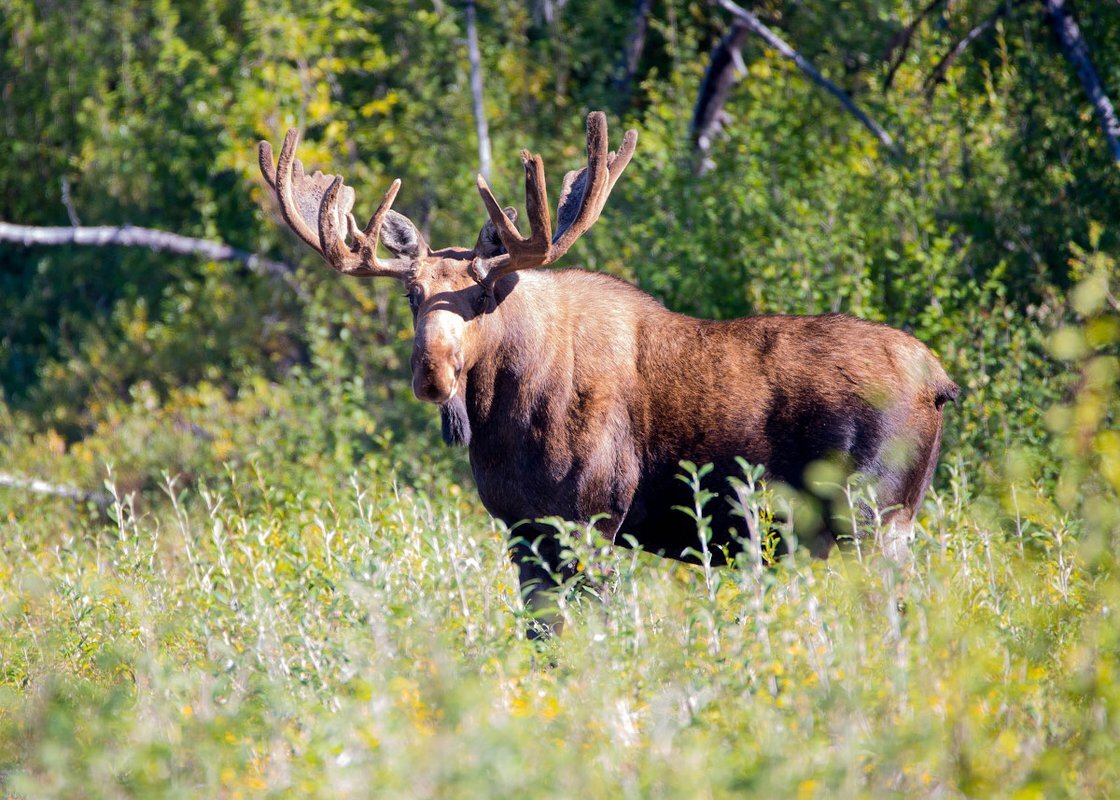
(242, 641)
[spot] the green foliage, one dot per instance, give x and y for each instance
(801, 212)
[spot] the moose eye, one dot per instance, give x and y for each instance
(414, 298)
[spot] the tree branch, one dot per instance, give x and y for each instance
(755, 26)
(1076, 51)
(37, 486)
(708, 116)
(942, 69)
(131, 236)
(900, 42)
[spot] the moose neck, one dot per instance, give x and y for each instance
(523, 344)
(556, 339)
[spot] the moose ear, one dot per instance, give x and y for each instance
(488, 244)
(401, 238)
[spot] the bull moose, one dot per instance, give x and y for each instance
(578, 395)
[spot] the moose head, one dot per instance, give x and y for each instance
(452, 289)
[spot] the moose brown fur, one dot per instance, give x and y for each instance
(579, 395)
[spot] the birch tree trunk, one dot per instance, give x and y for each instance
(1076, 51)
(708, 116)
(475, 58)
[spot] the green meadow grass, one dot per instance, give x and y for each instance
(360, 637)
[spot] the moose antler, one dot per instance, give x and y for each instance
(582, 197)
(325, 199)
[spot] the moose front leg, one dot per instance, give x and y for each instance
(542, 571)
(546, 568)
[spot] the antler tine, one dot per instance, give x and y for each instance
(594, 183)
(507, 231)
(618, 161)
(268, 168)
(373, 227)
(335, 251)
(522, 251)
(365, 262)
(283, 186)
(287, 178)
(536, 206)
(597, 184)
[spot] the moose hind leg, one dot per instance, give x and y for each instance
(907, 488)
(541, 571)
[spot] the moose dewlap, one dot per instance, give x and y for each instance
(579, 395)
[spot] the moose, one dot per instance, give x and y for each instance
(579, 396)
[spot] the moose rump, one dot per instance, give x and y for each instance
(793, 394)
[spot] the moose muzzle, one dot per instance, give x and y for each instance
(437, 357)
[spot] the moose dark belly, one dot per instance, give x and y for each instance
(799, 432)
(524, 478)
(521, 480)
(655, 521)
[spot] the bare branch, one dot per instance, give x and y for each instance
(37, 486)
(131, 236)
(632, 55)
(708, 116)
(942, 69)
(900, 42)
(754, 24)
(1076, 51)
